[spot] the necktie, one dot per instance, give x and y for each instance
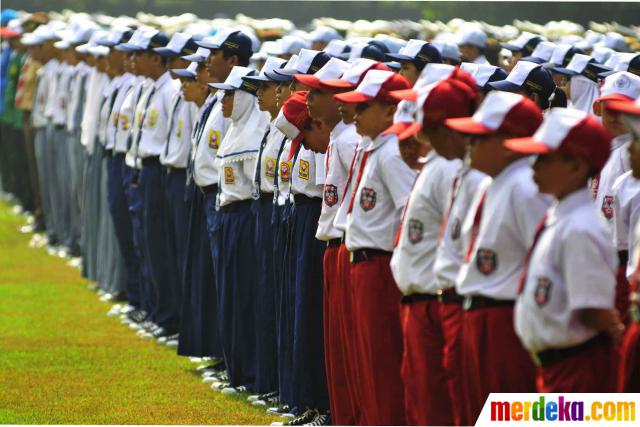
(475, 229)
(257, 179)
(536, 237)
(358, 179)
(144, 117)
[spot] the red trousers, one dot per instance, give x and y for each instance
(629, 368)
(343, 406)
(590, 371)
(622, 293)
(426, 390)
(493, 359)
(379, 341)
(451, 318)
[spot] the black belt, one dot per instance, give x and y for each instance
(108, 153)
(334, 243)
(148, 161)
(236, 206)
(554, 355)
(171, 169)
(446, 296)
(477, 301)
(301, 199)
(208, 189)
(360, 255)
(118, 155)
(266, 198)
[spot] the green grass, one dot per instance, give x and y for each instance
(63, 361)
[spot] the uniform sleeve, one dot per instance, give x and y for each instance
(589, 269)
(398, 177)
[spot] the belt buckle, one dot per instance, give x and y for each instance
(466, 303)
(351, 257)
(440, 294)
(535, 358)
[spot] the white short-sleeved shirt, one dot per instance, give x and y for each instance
(205, 169)
(307, 176)
(131, 158)
(572, 267)
(38, 117)
(380, 196)
(95, 88)
(53, 75)
(126, 114)
(155, 127)
(105, 109)
(61, 97)
(342, 147)
(182, 116)
(76, 92)
(413, 259)
(285, 166)
(626, 207)
(124, 83)
(269, 159)
(451, 250)
(236, 181)
(512, 210)
(340, 221)
(617, 165)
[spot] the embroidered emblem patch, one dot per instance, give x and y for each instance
(303, 172)
(368, 198)
(330, 195)
(415, 230)
(152, 118)
(213, 137)
(270, 167)
(607, 207)
(229, 178)
(486, 261)
(285, 171)
(124, 121)
(543, 290)
(455, 229)
(179, 131)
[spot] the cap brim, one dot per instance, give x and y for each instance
(336, 84)
(613, 97)
(404, 95)
(533, 59)
(565, 71)
(166, 52)
(258, 79)
(278, 78)
(393, 65)
(606, 74)
(504, 85)
(183, 72)
(194, 58)
(410, 130)
(511, 47)
(353, 97)
(222, 86)
(207, 45)
(467, 125)
(309, 80)
(526, 145)
(286, 72)
(397, 128)
(624, 107)
(397, 57)
(127, 47)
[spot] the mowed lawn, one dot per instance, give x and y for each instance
(63, 361)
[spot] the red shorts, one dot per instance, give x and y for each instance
(629, 369)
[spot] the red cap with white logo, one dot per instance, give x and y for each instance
(376, 85)
(353, 76)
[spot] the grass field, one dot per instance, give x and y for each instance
(63, 361)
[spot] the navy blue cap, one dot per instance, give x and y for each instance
(186, 73)
(262, 78)
(533, 59)
(236, 42)
(395, 66)
(124, 38)
(185, 46)
(243, 84)
(528, 47)
(592, 71)
(319, 59)
(427, 54)
(498, 75)
(380, 45)
(373, 51)
(633, 67)
(538, 80)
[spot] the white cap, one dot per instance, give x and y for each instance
(393, 44)
(544, 50)
(373, 81)
(448, 50)
(336, 47)
(579, 62)
(616, 42)
(234, 79)
(290, 45)
(324, 35)
(621, 83)
(481, 72)
(332, 70)
(521, 71)
(178, 41)
(557, 125)
(356, 69)
(433, 73)
(474, 36)
(601, 54)
(559, 52)
(272, 63)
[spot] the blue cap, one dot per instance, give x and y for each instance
(7, 15)
(270, 65)
(528, 76)
(419, 52)
(187, 73)
(230, 41)
(309, 61)
(180, 44)
(373, 51)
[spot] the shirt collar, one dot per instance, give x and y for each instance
(338, 129)
(512, 169)
(620, 140)
(381, 139)
(162, 80)
(570, 203)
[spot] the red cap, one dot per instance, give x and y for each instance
(625, 107)
(354, 75)
(376, 85)
(446, 99)
(506, 112)
(570, 131)
(293, 118)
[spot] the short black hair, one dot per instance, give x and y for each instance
(243, 60)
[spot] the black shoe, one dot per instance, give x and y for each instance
(137, 316)
(306, 417)
(322, 419)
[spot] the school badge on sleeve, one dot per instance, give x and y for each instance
(486, 261)
(368, 198)
(607, 207)
(229, 178)
(543, 290)
(213, 138)
(330, 195)
(415, 228)
(303, 172)
(270, 167)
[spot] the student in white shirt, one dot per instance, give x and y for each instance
(496, 233)
(565, 314)
(381, 188)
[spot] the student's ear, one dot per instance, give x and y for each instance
(232, 61)
(597, 109)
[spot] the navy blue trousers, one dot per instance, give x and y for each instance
(199, 336)
(173, 184)
(162, 269)
(117, 185)
(307, 252)
(236, 276)
(265, 307)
